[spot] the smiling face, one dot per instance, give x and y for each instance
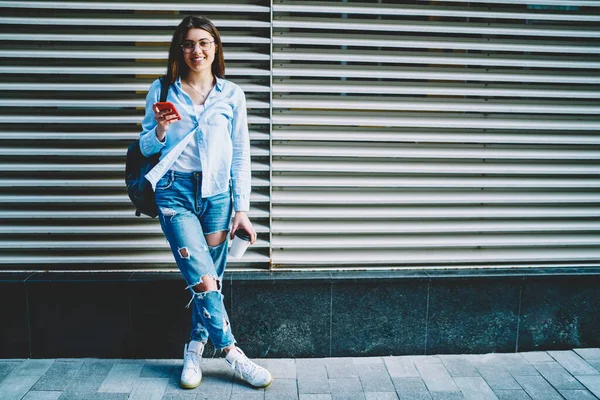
(198, 60)
(210, 60)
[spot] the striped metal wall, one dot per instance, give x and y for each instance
(384, 133)
(74, 76)
(435, 133)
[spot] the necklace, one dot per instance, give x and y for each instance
(194, 89)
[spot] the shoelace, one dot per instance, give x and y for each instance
(246, 367)
(194, 358)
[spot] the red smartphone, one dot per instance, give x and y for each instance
(167, 105)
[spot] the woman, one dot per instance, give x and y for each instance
(201, 154)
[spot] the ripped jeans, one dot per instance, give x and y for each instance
(185, 218)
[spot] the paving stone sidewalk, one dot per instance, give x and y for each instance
(571, 375)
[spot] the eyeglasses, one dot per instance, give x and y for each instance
(188, 46)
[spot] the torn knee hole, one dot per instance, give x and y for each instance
(207, 284)
(216, 239)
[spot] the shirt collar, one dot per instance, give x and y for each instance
(219, 84)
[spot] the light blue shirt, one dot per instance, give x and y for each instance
(216, 136)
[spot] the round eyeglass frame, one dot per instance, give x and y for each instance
(193, 48)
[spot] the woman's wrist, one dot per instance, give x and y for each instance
(161, 133)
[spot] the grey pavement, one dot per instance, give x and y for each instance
(570, 374)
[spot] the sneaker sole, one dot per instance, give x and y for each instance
(267, 385)
(191, 385)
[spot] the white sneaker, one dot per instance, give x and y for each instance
(249, 371)
(191, 376)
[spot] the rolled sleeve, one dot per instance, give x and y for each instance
(241, 174)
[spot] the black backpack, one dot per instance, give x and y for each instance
(137, 166)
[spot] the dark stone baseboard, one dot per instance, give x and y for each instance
(304, 314)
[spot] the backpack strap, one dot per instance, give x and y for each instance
(164, 88)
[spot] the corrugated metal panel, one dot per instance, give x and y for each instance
(434, 134)
(416, 133)
(74, 80)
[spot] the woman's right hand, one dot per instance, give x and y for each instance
(163, 118)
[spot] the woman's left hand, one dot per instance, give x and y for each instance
(241, 220)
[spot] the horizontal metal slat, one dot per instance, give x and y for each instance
(345, 227)
(96, 215)
(129, 6)
(92, 136)
(90, 199)
(425, 182)
(374, 212)
(349, 134)
(132, 20)
(123, 70)
(443, 257)
(354, 25)
(445, 89)
(139, 226)
(344, 182)
(123, 37)
(353, 134)
(426, 120)
(85, 183)
(431, 73)
(106, 119)
(120, 54)
(424, 42)
(310, 166)
(372, 56)
(111, 229)
(93, 245)
(383, 241)
(102, 167)
(437, 105)
(349, 71)
(151, 228)
(96, 104)
(104, 87)
(422, 11)
(448, 197)
(81, 152)
(382, 150)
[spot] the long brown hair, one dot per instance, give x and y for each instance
(177, 66)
